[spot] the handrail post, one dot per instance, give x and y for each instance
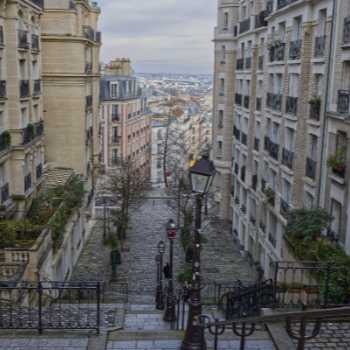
(98, 300)
(40, 305)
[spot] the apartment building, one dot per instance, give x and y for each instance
(125, 119)
(71, 79)
(271, 60)
(21, 113)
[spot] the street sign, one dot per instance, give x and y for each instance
(171, 233)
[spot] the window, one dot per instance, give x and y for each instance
(341, 141)
(308, 200)
(322, 22)
(159, 135)
(287, 191)
(293, 85)
(115, 112)
(220, 146)
(114, 89)
(222, 86)
(223, 53)
(24, 117)
(297, 28)
(313, 147)
(319, 84)
(272, 179)
(289, 139)
(282, 31)
(279, 84)
(35, 70)
(274, 134)
(273, 229)
(226, 20)
(114, 156)
(2, 175)
(115, 134)
(221, 119)
(336, 213)
(159, 163)
(22, 69)
(2, 121)
(36, 113)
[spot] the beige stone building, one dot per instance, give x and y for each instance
(71, 79)
(21, 114)
(125, 119)
(269, 101)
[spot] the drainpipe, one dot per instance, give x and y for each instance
(327, 98)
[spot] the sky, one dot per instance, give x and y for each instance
(159, 36)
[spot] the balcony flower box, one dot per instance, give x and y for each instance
(337, 162)
(270, 195)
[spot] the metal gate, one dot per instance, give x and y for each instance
(50, 305)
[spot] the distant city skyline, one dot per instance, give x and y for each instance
(168, 36)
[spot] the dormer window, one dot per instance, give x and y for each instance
(114, 89)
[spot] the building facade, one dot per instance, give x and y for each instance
(125, 121)
(271, 69)
(71, 79)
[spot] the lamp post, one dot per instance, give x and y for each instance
(169, 315)
(201, 177)
(159, 293)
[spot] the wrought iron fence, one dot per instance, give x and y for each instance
(50, 305)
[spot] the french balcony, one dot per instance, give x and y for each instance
(287, 158)
(31, 131)
(37, 87)
(240, 64)
(295, 50)
(5, 141)
(315, 108)
(254, 182)
(244, 25)
(261, 62)
(258, 103)
(320, 46)
(292, 105)
(238, 99)
(236, 170)
(274, 149)
(246, 101)
(24, 89)
(346, 30)
(260, 20)
(243, 172)
(22, 37)
(88, 67)
(88, 101)
(3, 92)
(277, 52)
(256, 144)
(244, 138)
(5, 193)
(274, 101)
(39, 171)
(343, 101)
(310, 169)
(35, 42)
(27, 182)
(248, 63)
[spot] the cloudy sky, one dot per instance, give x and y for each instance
(160, 35)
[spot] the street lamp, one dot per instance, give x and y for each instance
(201, 177)
(159, 260)
(169, 315)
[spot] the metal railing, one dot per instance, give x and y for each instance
(320, 46)
(287, 158)
(240, 64)
(260, 19)
(310, 168)
(343, 103)
(346, 30)
(22, 37)
(295, 49)
(292, 105)
(236, 133)
(244, 25)
(238, 99)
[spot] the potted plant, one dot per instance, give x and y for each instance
(337, 161)
(270, 195)
(7, 138)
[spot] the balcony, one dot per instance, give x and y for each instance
(5, 193)
(88, 100)
(287, 158)
(22, 37)
(244, 138)
(243, 171)
(343, 101)
(310, 169)
(292, 105)
(238, 99)
(260, 20)
(256, 144)
(261, 62)
(27, 182)
(88, 67)
(24, 88)
(320, 46)
(5, 141)
(31, 131)
(284, 208)
(254, 182)
(240, 64)
(258, 103)
(274, 149)
(315, 108)
(3, 92)
(274, 101)
(35, 42)
(284, 3)
(39, 171)
(277, 52)
(246, 101)
(37, 87)
(244, 25)
(346, 30)
(295, 49)
(248, 63)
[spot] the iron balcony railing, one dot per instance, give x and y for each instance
(343, 101)
(22, 36)
(284, 208)
(24, 88)
(248, 63)
(284, 3)
(310, 170)
(115, 117)
(244, 25)
(5, 193)
(260, 19)
(240, 64)
(273, 150)
(256, 144)
(27, 182)
(5, 141)
(274, 101)
(346, 30)
(244, 138)
(320, 46)
(3, 92)
(254, 182)
(261, 62)
(295, 49)
(246, 101)
(243, 171)
(287, 158)
(292, 105)
(258, 103)
(277, 52)
(35, 42)
(238, 99)
(37, 87)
